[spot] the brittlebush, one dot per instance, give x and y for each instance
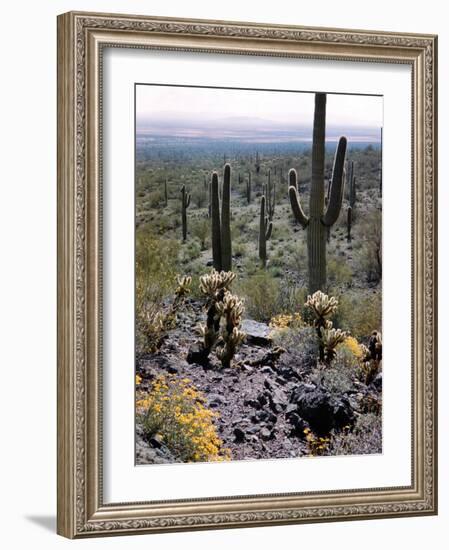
(174, 410)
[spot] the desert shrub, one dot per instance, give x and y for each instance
(201, 230)
(359, 313)
(175, 411)
(339, 377)
(299, 259)
(365, 437)
(370, 255)
(338, 272)
(153, 321)
(352, 347)
(190, 251)
(285, 320)
(239, 249)
(301, 344)
(156, 267)
(155, 199)
(261, 293)
(199, 196)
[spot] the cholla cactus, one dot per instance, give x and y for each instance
(322, 306)
(231, 311)
(214, 286)
(215, 282)
(375, 345)
(183, 287)
(330, 339)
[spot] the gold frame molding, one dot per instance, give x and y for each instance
(81, 37)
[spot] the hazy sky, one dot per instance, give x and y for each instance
(182, 104)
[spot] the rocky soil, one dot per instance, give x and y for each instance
(265, 400)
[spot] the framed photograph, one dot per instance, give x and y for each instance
(247, 278)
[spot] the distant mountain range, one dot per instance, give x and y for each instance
(246, 129)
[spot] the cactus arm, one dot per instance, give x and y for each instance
(188, 200)
(337, 187)
(295, 202)
(293, 179)
(269, 231)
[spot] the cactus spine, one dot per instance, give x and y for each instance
(221, 223)
(265, 230)
(185, 203)
(319, 217)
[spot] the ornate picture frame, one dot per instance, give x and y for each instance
(82, 510)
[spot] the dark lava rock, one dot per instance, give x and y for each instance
(262, 398)
(266, 434)
(172, 369)
(324, 411)
(239, 435)
(377, 382)
(298, 425)
(256, 333)
(267, 370)
(215, 400)
(197, 354)
(290, 408)
(252, 403)
(156, 441)
(300, 390)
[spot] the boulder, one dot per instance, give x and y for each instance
(256, 333)
(324, 411)
(239, 435)
(197, 354)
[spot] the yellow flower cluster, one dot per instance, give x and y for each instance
(138, 379)
(285, 320)
(317, 446)
(174, 409)
(353, 347)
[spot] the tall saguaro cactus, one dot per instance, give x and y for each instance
(265, 229)
(248, 188)
(185, 203)
(221, 222)
(352, 193)
(320, 217)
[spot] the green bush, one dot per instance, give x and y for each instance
(359, 313)
(261, 293)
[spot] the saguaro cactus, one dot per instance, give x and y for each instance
(248, 188)
(320, 217)
(352, 193)
(349, 223)
(257, 164)
(269, 190)
(265, 230)
(221, 223)
(185, 203)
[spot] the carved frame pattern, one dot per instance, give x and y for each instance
(80, 39)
